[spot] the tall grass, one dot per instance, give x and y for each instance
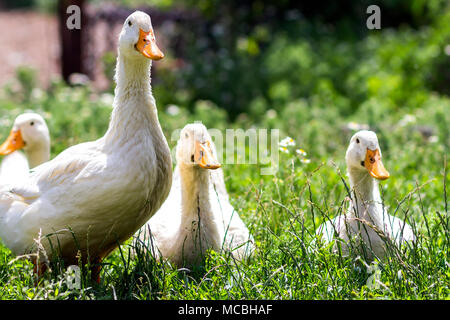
(281, 211)
(288, 263)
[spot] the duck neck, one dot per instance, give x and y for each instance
(366, 199)
(38, 154)
(195, 194)
(134, 107)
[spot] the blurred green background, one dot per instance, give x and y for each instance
(259, 62)
(312, 70)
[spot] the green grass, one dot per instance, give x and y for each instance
(310, 84)
(281, 211)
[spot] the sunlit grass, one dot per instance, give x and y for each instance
(282, 211)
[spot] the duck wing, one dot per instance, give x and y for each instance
(52, 198)
(14, 169)
(330, 228)
(52, 172)
(158, 233)
(218, 182)
(398, 229)
(236, 236)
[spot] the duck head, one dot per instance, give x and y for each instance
(364, 154)
(137, 38)
(29, 132)
(195, 147)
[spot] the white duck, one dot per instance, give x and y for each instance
(95, 195)
(30, 134)
(366, 218)
(197, 215)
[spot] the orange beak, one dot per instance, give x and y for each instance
(374, 165)
(13, 142)
(147, 45)
(204, 156)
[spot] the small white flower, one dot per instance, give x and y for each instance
(64, 94)
(284, 149)
(107, 99)
(433, 139)
(305, 160)
(37, 94)
(173, 110)
(409, 118)
(5, 122)
(357, 126)
(301, 152)
(447, 49)
(287, 142)
(271, 114)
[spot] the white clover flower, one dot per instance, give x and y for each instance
(301, 152)
(287, 142)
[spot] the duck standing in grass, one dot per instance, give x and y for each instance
(30, 134)
(366, 226)
(197, 215)
(95, 195)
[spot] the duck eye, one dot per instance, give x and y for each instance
(357, 140)
(32, 123)
(192, 158)
(186, 135)
(129, 23)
